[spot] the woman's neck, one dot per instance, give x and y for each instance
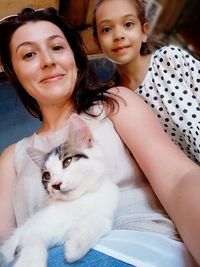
(134, 73)
(55, 117)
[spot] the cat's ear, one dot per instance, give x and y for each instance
(79, 131)
(36, 155)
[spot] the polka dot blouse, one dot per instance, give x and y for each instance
(172, 88)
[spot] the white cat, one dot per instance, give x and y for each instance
(82, 202)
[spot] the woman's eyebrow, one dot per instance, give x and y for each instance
(31, 43)
(55, 36)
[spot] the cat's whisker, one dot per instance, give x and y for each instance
(46, 201)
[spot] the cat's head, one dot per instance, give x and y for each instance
(74, 167)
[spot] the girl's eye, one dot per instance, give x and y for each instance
(29, 55)
(106, 29)
(46, 176)
(66, 162)
(129, 24)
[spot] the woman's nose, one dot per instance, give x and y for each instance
(47, 61)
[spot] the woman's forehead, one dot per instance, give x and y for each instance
(35, 32)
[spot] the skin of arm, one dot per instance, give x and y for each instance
(173, 176)
(7, 179)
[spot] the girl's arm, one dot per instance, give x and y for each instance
(173, 176)
(7, 179)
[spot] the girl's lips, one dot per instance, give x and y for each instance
(120, 48)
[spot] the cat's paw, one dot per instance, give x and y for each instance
(75, 249)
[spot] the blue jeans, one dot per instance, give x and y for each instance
(92, 259)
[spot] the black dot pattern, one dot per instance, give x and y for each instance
(172, 88)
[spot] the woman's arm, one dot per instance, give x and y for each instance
(173, 176)
(7, 178)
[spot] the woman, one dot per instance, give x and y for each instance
(45, 62)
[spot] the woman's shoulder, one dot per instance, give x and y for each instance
(121, 93)
(8, 151)
(24, 142)
(7, 158)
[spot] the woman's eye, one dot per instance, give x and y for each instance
(58, 47)
(66, 162)
(46, 176)
(28, 55)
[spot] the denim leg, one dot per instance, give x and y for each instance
(92, 259)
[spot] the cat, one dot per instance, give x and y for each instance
(81, 207)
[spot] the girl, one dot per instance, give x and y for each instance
(167, 78)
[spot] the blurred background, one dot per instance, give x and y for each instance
(172, 21)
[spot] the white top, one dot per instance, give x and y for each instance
(139, 208)
(172, 88)
(145, 249)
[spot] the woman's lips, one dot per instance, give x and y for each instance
(52, 78)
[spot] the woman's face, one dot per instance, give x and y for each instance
(119, 30)
(44, 62)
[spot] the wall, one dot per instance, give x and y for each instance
(15, 122)
(8, 7)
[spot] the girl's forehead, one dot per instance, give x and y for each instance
(109, 8)
(123, 4)
(114, 2)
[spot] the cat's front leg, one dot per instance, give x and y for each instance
(9, 247)
(85, 235)
(33, 253)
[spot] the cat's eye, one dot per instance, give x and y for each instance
(46, 176)
(66, 162)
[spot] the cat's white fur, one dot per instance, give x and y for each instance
(77, 216)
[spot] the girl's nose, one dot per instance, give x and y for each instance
(118, 34)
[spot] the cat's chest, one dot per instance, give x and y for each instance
(72, 210)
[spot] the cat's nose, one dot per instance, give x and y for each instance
(56, 186)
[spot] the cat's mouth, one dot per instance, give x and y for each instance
(62, 193)
(67, 191)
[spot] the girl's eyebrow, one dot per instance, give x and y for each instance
(31, 43)
(124, 17)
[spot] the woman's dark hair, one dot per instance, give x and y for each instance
(87, 90)
(146, 48)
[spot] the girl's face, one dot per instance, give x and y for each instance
(43, 62)
(119, 30)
